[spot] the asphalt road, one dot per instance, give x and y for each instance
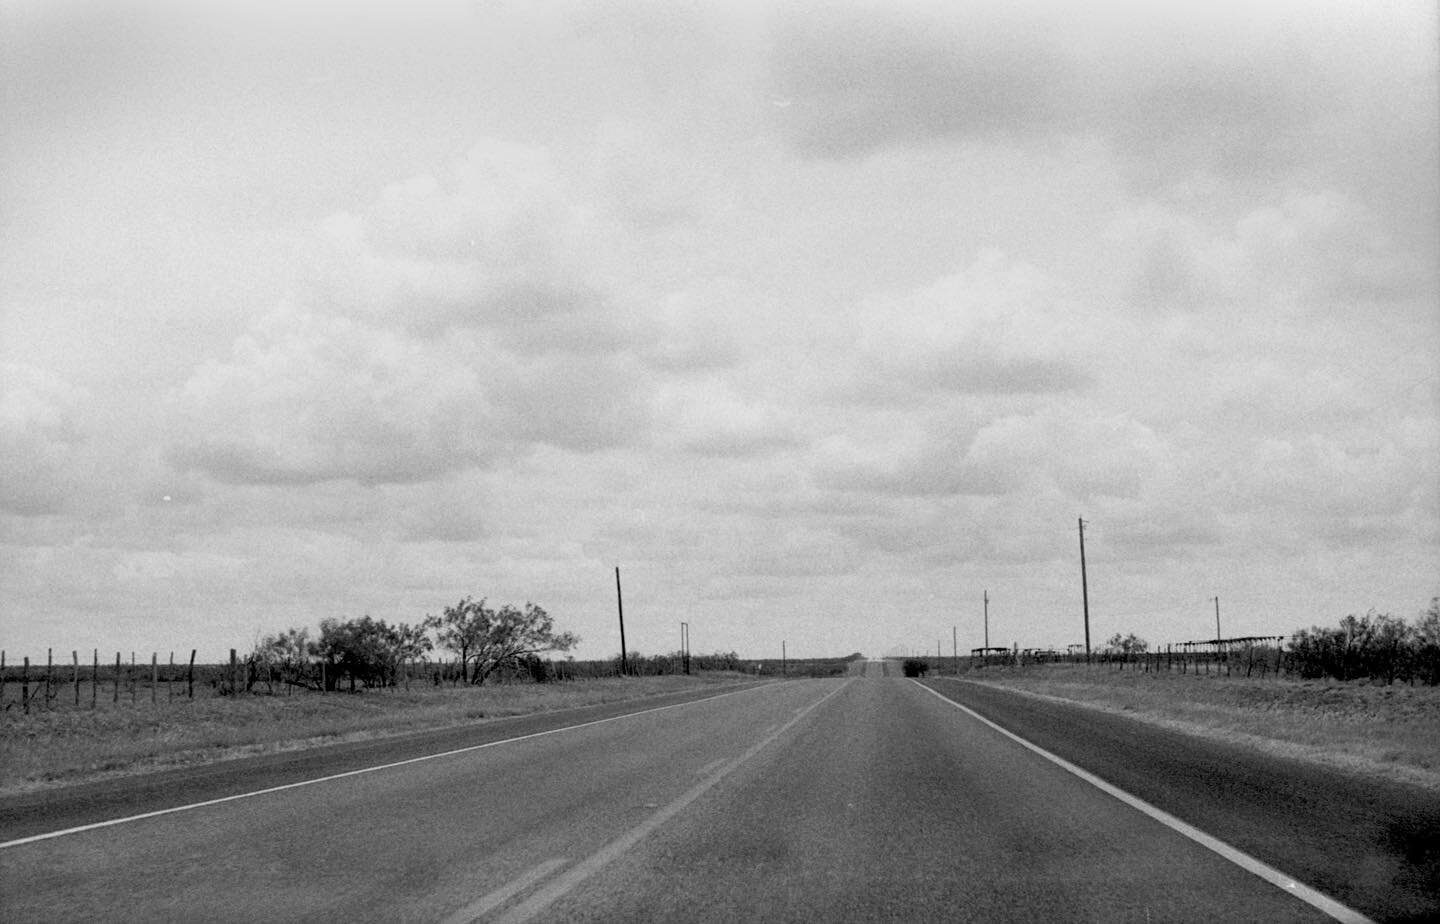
(865, 798)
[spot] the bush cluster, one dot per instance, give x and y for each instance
(370, 652)
(1375, 646)
(366, 651)
(916, 667)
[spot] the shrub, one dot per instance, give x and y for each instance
(1377, 646)
(916, 667)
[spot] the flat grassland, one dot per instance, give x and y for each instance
(1390, 731)
(1387, 731)
(63, 745)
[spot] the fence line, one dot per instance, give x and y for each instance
(1299, 655)
(44, 690)
(25, 688)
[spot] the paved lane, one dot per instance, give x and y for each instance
(31, 813)
(412, 843)
(892, 805)
(860, 799)
(1371, 843)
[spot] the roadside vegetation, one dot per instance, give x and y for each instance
(1390, 730)
(1363, 696)
(58, 746)
(353, 679)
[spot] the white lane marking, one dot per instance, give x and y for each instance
(1270, 874)
(592, 864)
(710, 767)
(340, 776)
(492, 900)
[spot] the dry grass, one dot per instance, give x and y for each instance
(67, 745)
(1389, 731)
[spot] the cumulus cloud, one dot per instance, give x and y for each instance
(40, 433)
(858, 77)
(1330, 247)
(1316, 477)
(695, 329)
(448, 323)
(582, 404)
(998, 327)
(1303, 253)
(884, 293)
(711, 417)
(308, 398)
(500, 243)
(1244, 92)
(1076, 447)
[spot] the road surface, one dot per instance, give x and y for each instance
(863, 798)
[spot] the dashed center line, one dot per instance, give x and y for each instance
(711, 767)
(492, 900)
(558, 888)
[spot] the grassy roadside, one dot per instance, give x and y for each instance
(56, 747)
(1387, 731)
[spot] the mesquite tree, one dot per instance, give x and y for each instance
(368, 650)
(485, 638)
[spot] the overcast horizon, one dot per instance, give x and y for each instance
(818, 320)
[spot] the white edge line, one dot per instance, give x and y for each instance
(1241, 859)
(18, 842)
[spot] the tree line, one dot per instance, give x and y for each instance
(371, 652)
(1375, 646)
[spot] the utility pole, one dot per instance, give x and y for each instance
(955, 647)
(1217, 619)
(1085, 591)
(620, 605)
(987, 619)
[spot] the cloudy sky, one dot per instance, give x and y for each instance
(819, 320)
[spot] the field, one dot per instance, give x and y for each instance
(1392, 731)
(51, 747)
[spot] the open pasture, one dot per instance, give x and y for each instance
(1391, 730)
(55, 746)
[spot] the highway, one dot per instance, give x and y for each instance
(864, 798)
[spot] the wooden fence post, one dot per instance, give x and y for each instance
(2, 677)
(190, 676)
(75, 656)
(25, 685)
(154, 675)
(49, 670)
(95, 679)
(170, 679)
(134, 678)
(115, 697)
(232, 672)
